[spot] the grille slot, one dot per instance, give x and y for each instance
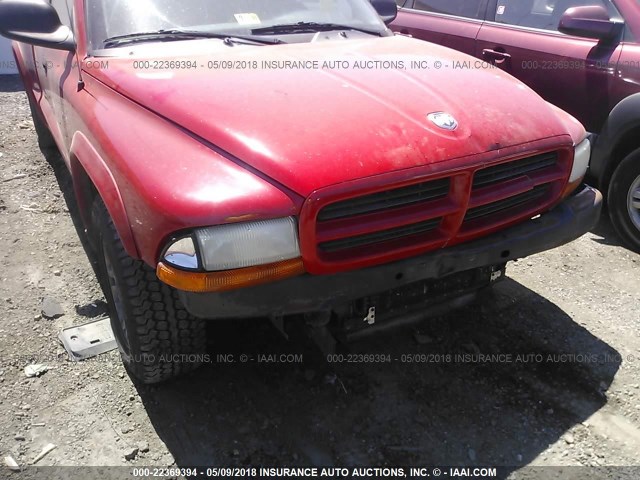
(380, 236)
(510, 170)
(388, 199)
(515, 201)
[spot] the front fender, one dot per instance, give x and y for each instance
(623, 120)
(85, 160)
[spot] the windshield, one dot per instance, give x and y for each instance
(112, 18)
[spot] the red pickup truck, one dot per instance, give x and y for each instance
(283, 158)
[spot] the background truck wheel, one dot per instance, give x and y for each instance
(156, 336)
(45, 139)
(624, 200)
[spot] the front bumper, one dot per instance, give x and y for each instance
(575, 216)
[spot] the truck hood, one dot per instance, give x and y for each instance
(308, 128)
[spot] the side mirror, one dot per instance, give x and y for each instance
(35, 22)
(387, 9)
(590, 22)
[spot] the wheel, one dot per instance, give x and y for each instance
(45, 139)
(156, 336)
(624, 200)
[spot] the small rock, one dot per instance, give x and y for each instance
(132, 398)
(471, 347)
(131, 453)
(35, 370)
(121, 374)
(422, 338)
(143, 447)
(126, 429)
(57, 273)
(472, 455)
(569, 439)
(19, 438)
(51, 309)
(330, 378)
(37, 317)
(236, 452)
(45, 451)
(11, 463)
(92, 310)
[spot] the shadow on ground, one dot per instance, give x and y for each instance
(606, 233)
(503, 410)
(11, 83)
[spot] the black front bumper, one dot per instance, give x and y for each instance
(571, 219)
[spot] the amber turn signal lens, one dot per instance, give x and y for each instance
(201, 282)
(571, 186)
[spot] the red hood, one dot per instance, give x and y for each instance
(313, 128)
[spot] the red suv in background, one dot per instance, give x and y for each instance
(581, 55)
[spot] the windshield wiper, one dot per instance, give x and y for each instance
(176, 34)
(301, 27)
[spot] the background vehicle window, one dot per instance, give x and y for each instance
(459, 8)
(64, 9)
(544, 14)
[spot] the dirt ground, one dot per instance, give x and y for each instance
(567, 396)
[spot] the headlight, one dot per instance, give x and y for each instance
(580, 161)
(242, 245)
(182, 253)
(234, 256)
(581, 158)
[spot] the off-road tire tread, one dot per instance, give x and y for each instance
(158, 325)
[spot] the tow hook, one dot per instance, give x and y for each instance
(371, 317)
(317, 327)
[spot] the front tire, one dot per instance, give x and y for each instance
(156, 336)
(624, 200)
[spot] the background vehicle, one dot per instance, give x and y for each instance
(203, 171)
(581, 55)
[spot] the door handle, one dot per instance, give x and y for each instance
(498, 57)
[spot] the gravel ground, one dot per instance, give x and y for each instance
(567, 395)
